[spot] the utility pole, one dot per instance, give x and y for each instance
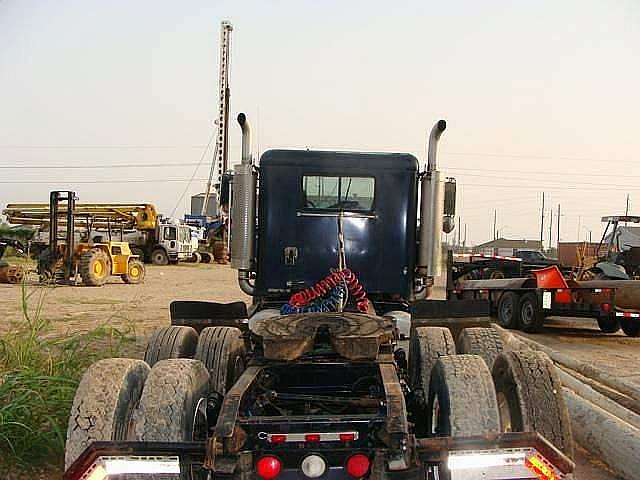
(495, 219)
(459, 220)
(542, 222)
(558, 220)
(626, 211)
(550, 226)
(464, 242)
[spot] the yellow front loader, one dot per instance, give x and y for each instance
(96, 262)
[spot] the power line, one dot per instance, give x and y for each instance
(537, 187)
(195, 170)
(547, 182)
(100, 147)
(104, 165)
(540, 157)
(537, 172)
(128, 180)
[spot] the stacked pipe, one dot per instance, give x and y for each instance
(604, 410)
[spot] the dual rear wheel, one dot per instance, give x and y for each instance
(484, 389)
(520, 312)
(164, 397)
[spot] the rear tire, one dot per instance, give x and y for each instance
(103, 405)
(481, 341)
(608, 324)
(508, 310)
(206, 257)
(426, 346)
(222, 351)
(530, 397)
(95, 267)
(170, 400)
(630, 326)
(171, 342)
(135, 272)
(462, 398)
(159, 257)
(196, 257)
(530, 316)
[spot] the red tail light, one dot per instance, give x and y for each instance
(606, 307)
(268, 467)
(358, 465)
(312, 437)
(347, 437)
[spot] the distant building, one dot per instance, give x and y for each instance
(503, 246)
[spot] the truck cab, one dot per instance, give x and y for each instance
(175, 238)
(305, 197)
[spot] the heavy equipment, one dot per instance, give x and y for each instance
(309, 382)
(65, 260)
(151, 237)
(618, 260)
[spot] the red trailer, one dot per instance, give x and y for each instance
(524, 303)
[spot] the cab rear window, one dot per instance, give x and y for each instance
(337, 193)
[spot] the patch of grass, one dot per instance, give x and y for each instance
(39, 373)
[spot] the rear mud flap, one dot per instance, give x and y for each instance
(200, 315)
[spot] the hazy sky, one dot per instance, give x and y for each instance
(537, 95)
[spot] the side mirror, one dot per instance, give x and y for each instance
(450, 197)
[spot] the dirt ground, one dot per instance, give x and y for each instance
(146, 306)
(140, 307)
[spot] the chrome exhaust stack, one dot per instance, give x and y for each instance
(243, 213)
(431, 213)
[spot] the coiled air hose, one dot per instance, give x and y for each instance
(335, 287)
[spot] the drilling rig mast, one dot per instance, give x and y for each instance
(219, 164)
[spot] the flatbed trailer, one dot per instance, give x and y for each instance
(525, 303)
(476, 266)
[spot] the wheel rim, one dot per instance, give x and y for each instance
(527, 313)
(199, 427)
(134, 272)
(99, 268)
(505, 412)
(506, 309)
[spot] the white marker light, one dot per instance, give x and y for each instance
(481, 460)
(313, 466)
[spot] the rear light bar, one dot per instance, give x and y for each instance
(111, 467)
(503, 464)
(279, 438)
(628, 314)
